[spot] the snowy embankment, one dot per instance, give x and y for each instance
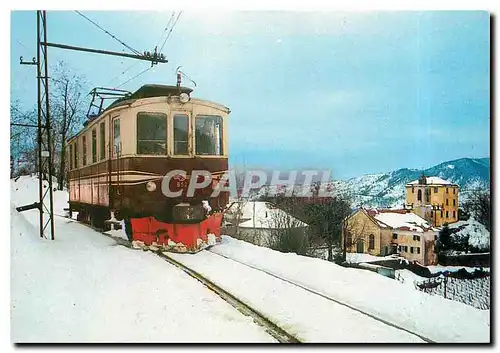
(82, 287)
(305, 315)
(474, 292)
(433, 317)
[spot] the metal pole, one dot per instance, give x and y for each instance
(154, 59)
(39, 109)
(47, 127)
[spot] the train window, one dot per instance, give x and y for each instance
(181, 134)
(84, 142)
(208, 135)
(116, 136)
(151, 133)
(94, 145)
(76, 154)
(71, 156)
(102, 140)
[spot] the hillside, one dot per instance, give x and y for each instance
(388, 189)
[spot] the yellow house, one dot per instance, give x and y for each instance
(385, 232)
(434, 199)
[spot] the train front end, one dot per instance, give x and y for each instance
(171, 183)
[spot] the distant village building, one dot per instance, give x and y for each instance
(257, 221)
(410, 232)
(434, 199)
(385, 232)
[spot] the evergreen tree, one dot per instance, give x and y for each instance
(444, 239)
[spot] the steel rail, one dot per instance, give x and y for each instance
(426, 339)
(270, 327)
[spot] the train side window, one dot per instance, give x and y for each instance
(208, 135)
(75, 150)
(116, 137)
(102, 140)
(70, 156)
(84, 157)
(181, 134)
(94, 145)
(151, 133)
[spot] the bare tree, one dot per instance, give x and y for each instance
(234, 216)
(67, 112)
(326, 220)
(352, 232)
(23, 140)
(478, 205)
(286, 233)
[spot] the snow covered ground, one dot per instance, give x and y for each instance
(82, 287)
(357, 258)
(305, 315)
(474, 292)
(431, 316)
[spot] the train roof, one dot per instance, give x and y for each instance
(149, 91)
(145, 91)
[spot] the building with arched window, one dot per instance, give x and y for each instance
(384, 232)
(434, 199)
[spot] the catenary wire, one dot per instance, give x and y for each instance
(114, 37)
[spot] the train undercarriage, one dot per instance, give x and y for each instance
(192, 231)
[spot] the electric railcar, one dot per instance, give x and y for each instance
(118, 161)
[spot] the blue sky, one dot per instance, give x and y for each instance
(359, 92)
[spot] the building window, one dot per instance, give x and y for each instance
(116, 137)
(152, 133)
(432, 213)
(371, 242)
(419, 195)
(84, 157)
(416, 237)
(395, 236)
(208, 135)
(418, 250)
(411, 249)
(453, 190)
(441, 213)
(406, 248)
(94, 145)
(102, 140)
(453, 214)
(446, 190)
(75, 149)
(71, 156)
(446, 202)
(436, 189)
(412, 190)
(454, 204)
(446, 214)
(181, 134)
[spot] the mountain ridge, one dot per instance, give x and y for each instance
(388, 189)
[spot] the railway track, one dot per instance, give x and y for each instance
(271, 328)
(425, 339)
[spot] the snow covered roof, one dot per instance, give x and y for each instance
(399, 219)
(260, 214)
(432, 181)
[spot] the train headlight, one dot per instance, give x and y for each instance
(184, 97)
(151, 186)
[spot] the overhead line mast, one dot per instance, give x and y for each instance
(45, 159)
